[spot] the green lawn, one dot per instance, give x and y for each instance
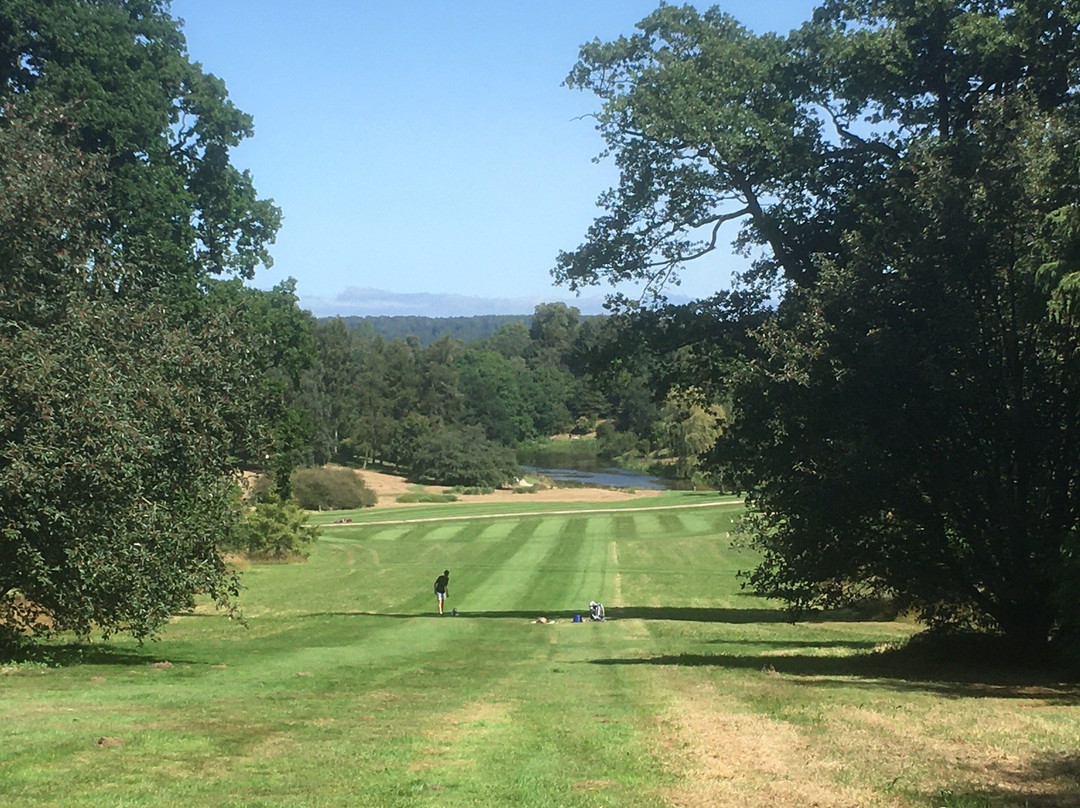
(346, 689)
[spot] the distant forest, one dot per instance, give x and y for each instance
(457, 410)
(430, 329)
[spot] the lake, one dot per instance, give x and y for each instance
(608, 477)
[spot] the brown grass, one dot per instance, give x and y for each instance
(884, 753)
(723, 755)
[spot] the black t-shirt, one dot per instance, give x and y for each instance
(441, 583)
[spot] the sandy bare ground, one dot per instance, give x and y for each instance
(389, 488)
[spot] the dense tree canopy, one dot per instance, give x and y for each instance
(386, 398)
(163, 128)
(462, 456)
(906, 419)
(132, 382)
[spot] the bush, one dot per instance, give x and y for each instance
(463, 456)
(469, 490)
(331, 488)
(426, 496)
(273, 530)
(610, 443)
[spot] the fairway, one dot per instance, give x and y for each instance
(346, 688)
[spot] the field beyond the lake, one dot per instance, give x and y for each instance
(346, 688)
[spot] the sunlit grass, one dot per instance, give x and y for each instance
(345, 688)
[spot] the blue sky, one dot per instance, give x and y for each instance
(424, 153)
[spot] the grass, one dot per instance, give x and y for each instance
(464, 509)
(426, 497)
(345, 689)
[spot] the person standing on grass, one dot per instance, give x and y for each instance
(442, 588)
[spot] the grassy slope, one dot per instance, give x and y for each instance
(346, 689)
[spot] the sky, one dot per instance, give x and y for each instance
(424, 153)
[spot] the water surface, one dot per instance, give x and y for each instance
(605, 477)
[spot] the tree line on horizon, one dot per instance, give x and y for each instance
(427, 330)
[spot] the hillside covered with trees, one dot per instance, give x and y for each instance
(364, 399)
(429, 329)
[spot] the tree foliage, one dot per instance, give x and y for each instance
(463, 456)
(132, 383)
(687, 429)
(381, 400)
(275, 530)
(906, 176)
(176, 205)
(331, 488)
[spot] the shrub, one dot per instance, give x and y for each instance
(425, 496)
(610, 443)
(470, 490)
(331, 488)
(273, 530)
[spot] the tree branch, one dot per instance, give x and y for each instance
(862, 146)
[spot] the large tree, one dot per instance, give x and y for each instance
(162, 126)
(906, 421)
(133, 382)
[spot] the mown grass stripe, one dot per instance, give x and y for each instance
(444, 516)
(346, 689)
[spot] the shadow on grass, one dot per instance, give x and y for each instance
(688, 614)
(1046, 781)
(1054, 767)
(895, 669)
(70, 654)
(854, 645)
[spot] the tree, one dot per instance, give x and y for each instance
(492, 387)
(462, 456)
(905, 420)
(276, 530)
(335, 377)
(163, 127)
(130, 390)
(371, 421)
(407, 434)
(511, 340)
(688, 429)
(114, 486)
(553, 329)
(440, 385)
(279, 343)
(546, 391)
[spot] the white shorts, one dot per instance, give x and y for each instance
(440, 595)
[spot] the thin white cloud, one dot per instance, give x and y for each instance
(366, 302)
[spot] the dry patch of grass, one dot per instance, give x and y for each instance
(978, 747)
(473, 718)
(851, 743)
(723, 755)
(595, 785)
